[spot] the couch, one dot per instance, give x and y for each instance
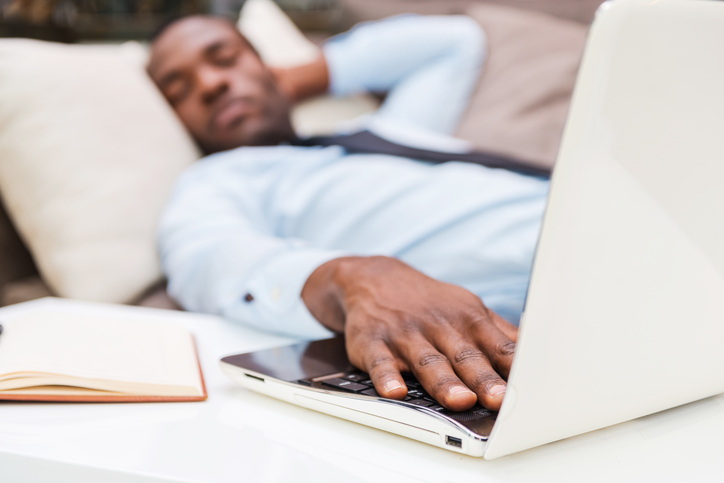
(518, 109)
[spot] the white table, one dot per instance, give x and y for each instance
(239, 436)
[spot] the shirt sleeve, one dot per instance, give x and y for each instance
(220, 260)
(428, 65)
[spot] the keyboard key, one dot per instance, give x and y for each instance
(420, 402)
(416, 393)
(345, 385)
(356, 377)
(370, 392)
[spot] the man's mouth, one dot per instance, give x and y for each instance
(232, 113)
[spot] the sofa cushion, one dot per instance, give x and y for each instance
(89, 151)
(520, 105)
(577, 10)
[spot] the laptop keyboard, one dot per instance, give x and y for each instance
(360, 383)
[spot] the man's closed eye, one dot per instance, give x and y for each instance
(176, 91)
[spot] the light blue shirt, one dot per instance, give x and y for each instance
(260, 220)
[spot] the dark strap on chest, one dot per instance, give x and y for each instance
(366, 142)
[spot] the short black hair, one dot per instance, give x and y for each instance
(173, 19)
(163, 25)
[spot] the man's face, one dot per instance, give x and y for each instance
(218, 86)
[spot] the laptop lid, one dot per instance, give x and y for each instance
(625, 313)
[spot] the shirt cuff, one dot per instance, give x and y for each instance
(271, 297)
(341, 67)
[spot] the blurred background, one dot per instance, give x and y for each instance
(112, 20)
(73, 21)
(518, 109)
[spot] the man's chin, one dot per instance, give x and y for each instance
(272, 138)
(221, 146)
(262, 137)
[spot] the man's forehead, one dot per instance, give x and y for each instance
(187, 36)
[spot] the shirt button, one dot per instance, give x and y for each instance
(248, 297)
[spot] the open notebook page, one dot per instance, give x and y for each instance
(86, 346)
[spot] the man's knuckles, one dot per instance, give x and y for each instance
(431, 359)
(479, 318)
(505, 349)
(469, 355)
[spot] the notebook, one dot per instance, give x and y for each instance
(55, 355)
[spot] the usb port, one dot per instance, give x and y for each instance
(457, 442)
(254, 377)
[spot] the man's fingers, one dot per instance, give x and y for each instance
(498, 348)
(433, 370)
(474, 369)
(383, 369)
(510, 331)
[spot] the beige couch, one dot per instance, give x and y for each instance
(518, 109)
(581, 11)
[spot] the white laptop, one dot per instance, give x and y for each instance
(625, 309)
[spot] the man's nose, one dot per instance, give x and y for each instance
(212, 83)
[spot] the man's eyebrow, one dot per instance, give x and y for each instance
(169, 78)
(214, 46)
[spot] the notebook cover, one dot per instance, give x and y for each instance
(114, 399)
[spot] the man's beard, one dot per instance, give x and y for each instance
(275, 124)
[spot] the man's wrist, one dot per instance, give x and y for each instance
(327, 289)
(320, 295)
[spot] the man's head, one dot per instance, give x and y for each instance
(218, 85)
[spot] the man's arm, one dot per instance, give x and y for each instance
(397, 319)
(220, 256)
(428, 66)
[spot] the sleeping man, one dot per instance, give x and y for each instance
(424, 267)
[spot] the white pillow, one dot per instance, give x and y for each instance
(281, 44)
(89, 150)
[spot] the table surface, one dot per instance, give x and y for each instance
(237, 435)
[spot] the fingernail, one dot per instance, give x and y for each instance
(392, 385)
(455, 391)
(496, 391)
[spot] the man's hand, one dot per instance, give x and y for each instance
(397, 319)
(304, 81)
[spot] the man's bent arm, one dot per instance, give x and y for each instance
(428, 65)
